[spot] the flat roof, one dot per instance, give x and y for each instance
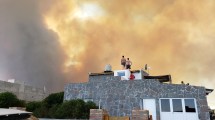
(109, 73)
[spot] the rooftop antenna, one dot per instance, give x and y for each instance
(147, 68)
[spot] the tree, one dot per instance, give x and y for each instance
(71, 109)
(77, 109)
(54, 107)
(52, 111)
(54, 99)
(89, 105)
(21, 103)
(31, 106)
(51, 107)
(8, 99)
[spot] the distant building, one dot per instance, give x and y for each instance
(22, 91)
(119, 95)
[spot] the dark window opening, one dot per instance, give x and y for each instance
(177, 105)
(190, 105)
(165, 105)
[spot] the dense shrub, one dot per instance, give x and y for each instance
(41, 112)
(31, 106)
(8, 99)
(21, 103)
(53, 99)
(71, 109)
(89, 105)
(75, 109)
(52, 111)
(51, 107)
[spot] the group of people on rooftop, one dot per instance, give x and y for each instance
(126, 64)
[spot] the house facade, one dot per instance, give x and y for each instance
(119, 95)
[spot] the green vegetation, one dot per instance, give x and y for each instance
(53, 99)
(52, 106)
(8, 99)
(74, 109)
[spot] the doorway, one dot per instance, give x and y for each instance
(150, 104)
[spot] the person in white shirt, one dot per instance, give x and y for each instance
(128, 64)
(123, 62)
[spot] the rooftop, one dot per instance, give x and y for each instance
(126, 74)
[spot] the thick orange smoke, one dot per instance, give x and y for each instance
(174, 37)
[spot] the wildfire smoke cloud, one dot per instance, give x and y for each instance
(174, 37)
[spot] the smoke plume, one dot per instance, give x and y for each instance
(56, 42)
(29, 52)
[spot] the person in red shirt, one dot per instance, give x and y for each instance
(132, 77)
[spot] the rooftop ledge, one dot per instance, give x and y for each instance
(139, 74)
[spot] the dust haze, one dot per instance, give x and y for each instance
(54, 42)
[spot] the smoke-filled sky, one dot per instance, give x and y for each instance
(54, 42)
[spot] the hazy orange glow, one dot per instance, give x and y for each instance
(174, 37)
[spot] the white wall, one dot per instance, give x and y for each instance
(127, 73)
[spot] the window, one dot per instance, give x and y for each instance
(121, 73)
(165, 105)
(177, 105)
(189, 105)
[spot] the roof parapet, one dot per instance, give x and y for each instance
(161, 78)
(208, 91)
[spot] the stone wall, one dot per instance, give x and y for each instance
(23, 92)
(120, 97)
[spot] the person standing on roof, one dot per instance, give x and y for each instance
(123, 62)
(128, 64)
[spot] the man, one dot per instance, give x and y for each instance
(128, 64)
(123, 62)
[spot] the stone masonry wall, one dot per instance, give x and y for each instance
(23, 92)
(120, 97)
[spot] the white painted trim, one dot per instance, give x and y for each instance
(183, 108)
